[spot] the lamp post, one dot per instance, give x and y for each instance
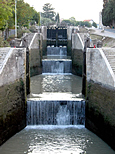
(15, 19)
(40, 18)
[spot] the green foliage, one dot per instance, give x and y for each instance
(46, 21)
(32, 29)
(48, 12)
(72, 22)
(36, 17)
(25, 14)
(108, 13)
(21, 31)
(57, 18)
(66, 22)
(6, 8)
(3, 43)
(94, 24)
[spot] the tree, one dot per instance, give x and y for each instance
(86, 23)
(48, 11)
(26, 14)
(46, 21)
(73, 21)
(66, 22)
(6, 8)
(94, 24)
(36, 17)
(57, 18)
(108, 13)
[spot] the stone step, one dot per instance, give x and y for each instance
(112, 63)
(3, 54)
(111, 59)
(110, 56)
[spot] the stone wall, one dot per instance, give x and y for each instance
(12, 94)
(13, 66)
(98, 68)
(69, 40)
(100, 96)
(44, 41)
(100, 111)
(77, 62)
(35, 51)
(77, 54)
(12, 109)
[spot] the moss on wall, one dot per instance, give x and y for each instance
(35, 62)
(44, 47)
(12, 109)
(77, 61)
(69, 48)
(100, 111)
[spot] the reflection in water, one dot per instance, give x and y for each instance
(56, 85)
(55, 140)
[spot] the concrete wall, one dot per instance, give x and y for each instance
(44, 42)
(12, 94)
(100, 96)
(77, 42)
(100, 111)
(13, 67)
(77, 54)
(35, 50)
(98, 68)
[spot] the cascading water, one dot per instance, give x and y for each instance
(56, 112)
(55, 119)
(58, 65)
(57, 51)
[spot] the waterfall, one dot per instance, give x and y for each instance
(56, 66)
(60, 64)
(55, 112)
(63, 116)
(52, 111)
(57, 51)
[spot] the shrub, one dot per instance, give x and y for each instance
(3, 43)
(21, 31)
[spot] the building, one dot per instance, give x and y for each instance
(90, 21)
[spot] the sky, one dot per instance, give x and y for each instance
(80, 9)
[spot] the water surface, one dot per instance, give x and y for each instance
(56, 87)
(55, 140)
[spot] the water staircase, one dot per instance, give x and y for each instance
(56, 108)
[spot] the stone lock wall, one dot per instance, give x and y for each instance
(44, 41)
(35, 53)
(12, 94)
(100, 111)
(12, 109)
(100, 96)
(77, 53)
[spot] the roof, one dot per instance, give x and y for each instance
(88, 20)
